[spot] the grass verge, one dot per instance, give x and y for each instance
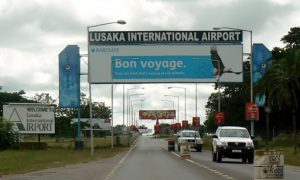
(22, 161)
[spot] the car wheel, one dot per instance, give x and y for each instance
(250, 159)
(244, 159)
(219, 157)
(214, 156)
(199, 149)
(178, 148)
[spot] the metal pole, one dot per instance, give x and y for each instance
(251, 81)
(196, 103)
(178, 108)
(112, 114)
(185, 104)
(112, 105)
(90, 99)
(91, 123)
(219, 93)
(123, 106)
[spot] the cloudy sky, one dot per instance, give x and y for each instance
(33, 32)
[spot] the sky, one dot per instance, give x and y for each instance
(34, 32)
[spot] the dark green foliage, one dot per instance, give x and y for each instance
(8, 137)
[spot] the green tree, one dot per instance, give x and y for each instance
(8, 136)
(292, 39)
(282, 84)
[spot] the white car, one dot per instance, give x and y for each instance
(232, 142)
(190, 137)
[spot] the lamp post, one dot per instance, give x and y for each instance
(128, 106)
(90, 91)
(132, 118)
(184, 99)
(177, 105)
(130, 109)
(251, 60)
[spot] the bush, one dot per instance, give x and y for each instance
(8, 137)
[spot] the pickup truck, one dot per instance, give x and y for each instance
(232, 142)
(190, 137)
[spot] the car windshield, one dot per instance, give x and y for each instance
(243, 133)
(190, 134)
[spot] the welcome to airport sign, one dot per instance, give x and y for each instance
(30, 118)
(163, 56)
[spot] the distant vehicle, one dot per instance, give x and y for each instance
(190, 137)
(232, 142)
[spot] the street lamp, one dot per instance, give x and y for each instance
(133, 112)
(132, 116)
(130, 109)
(128, 103)
(251, 60)
(184, 99)
(177, 105)
(90, 91)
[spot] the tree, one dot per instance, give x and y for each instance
(282, 84)
(7, 135)
(292, 39)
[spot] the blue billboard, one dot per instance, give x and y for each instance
(261, 63)
(162, 67)
(69, 77)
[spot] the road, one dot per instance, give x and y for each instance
(151, 160)
(148, 160)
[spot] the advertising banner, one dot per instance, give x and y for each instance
(252, 111)
(157, 57)
(69, 77)
(196, 121)
(219, 118)
(185, 124)
(261, 63)
(30, 118)
(157, 114)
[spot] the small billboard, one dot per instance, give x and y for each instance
(157, 114)
(30, 118)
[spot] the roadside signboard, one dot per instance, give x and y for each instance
(252, 111)
(157, 114)
(185, 124)
(269, 164)
(164, 56)
(69, 77)
(219, 118)
(196, 121)
(30, 118)
(98, 124)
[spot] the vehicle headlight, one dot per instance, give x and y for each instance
(222, 143)
(249, 144)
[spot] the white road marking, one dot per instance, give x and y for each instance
(201, 165)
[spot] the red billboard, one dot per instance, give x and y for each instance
(185, 124)
(196, 121)
(219, 118)
(157, 114)
(252, 111)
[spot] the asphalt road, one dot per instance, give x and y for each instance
(149, 159)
